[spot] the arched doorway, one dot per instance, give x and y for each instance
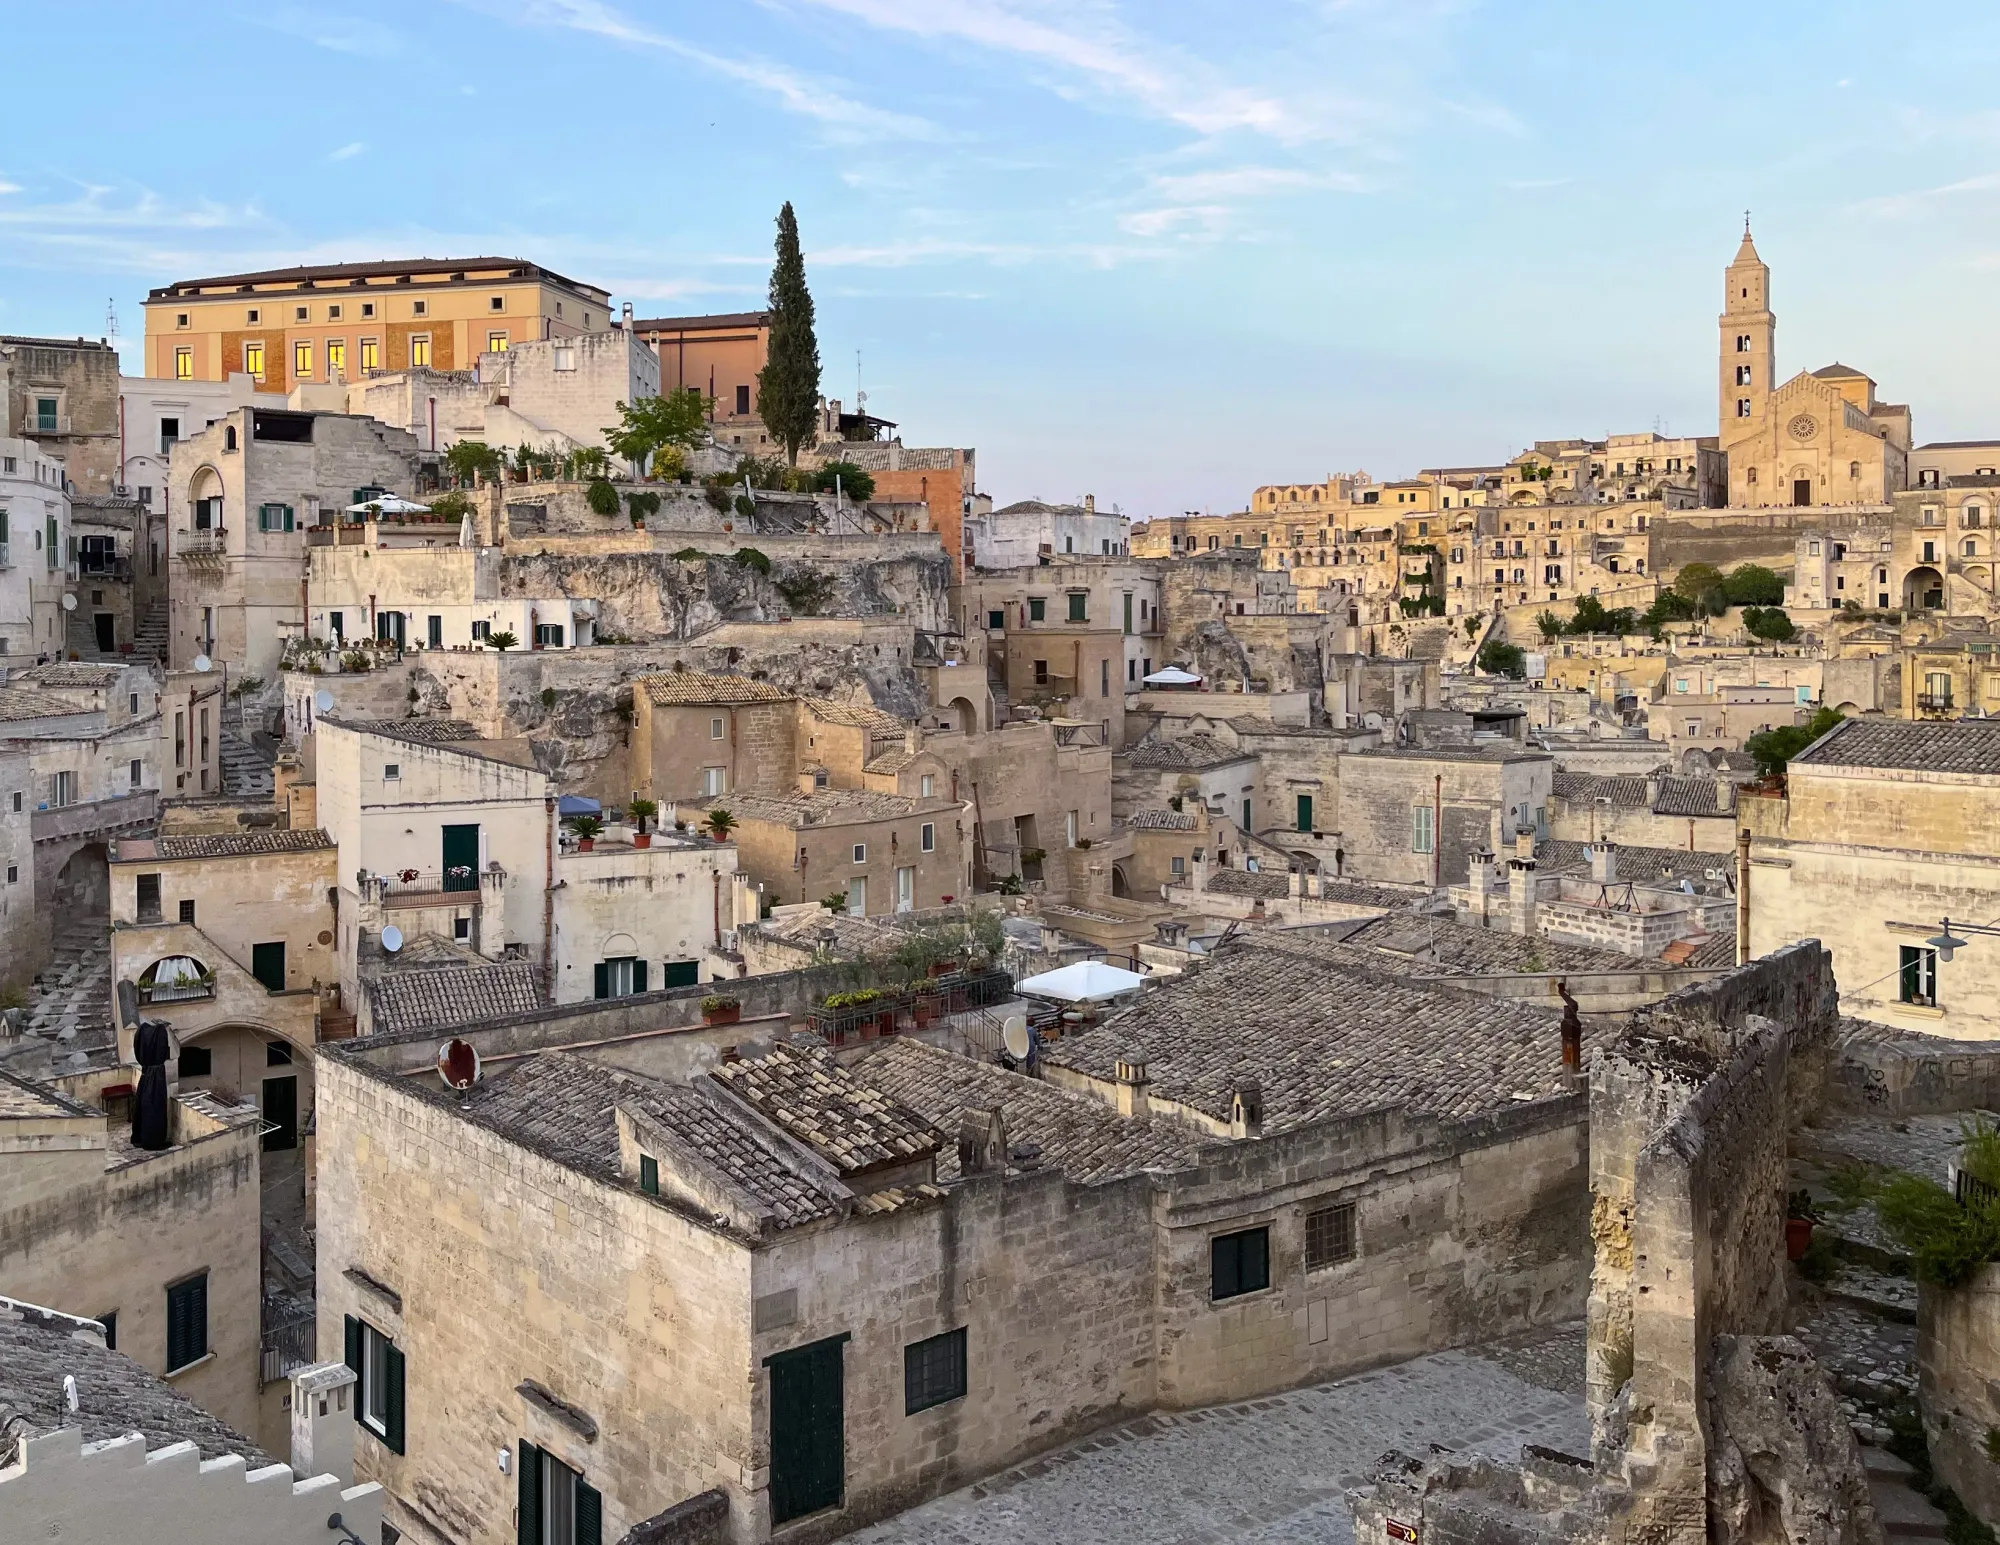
(1923, 590)
(1121, 885)
(963, 715)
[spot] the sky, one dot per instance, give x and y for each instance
(1161, 251)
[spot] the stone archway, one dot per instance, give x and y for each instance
(963, 714)
(1121, 884)
(1923, 589)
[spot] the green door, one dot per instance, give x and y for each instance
(808, 1429)
(267, 964)
(281, 1111)
(1305, 812)
(461, 858)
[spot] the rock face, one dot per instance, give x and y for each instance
(1958, 1369)
(1783, 1465)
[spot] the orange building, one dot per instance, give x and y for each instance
(288, 327)
(720, 356)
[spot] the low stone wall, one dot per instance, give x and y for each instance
(1958, 1352)
(1880, 1071)
(700, 1520)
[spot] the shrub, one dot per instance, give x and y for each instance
(717, 494)
(806, 590)
(640, 503)
(717, 1002)
(1769, 623)
(854, 483)
(603, 497)
(502, 641)
(1498, 659)
(833, 901)
(356, 660)
(750, 558)
(548, 697)
(453, 505)
(587, 826)
(744, 506)
(1549, 625)
(689, 555)
(1948, 1243)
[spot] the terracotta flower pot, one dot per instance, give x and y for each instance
(1798, 1238)
(586, 844)
(723, 1016)
(642, 839)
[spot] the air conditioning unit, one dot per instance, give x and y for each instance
(121, 490)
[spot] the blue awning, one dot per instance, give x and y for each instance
(577, 804)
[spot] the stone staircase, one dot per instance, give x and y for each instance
(149, 639)
(1906, 1514)
(246, 770)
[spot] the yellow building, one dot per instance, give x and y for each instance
(288, 327)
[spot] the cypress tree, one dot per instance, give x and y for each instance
(788, 385)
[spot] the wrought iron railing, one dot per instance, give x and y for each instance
(186, 991)
(289, 1342)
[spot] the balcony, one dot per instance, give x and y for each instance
(212, 543)
(176, 992)
(289, 1339)
(98, 818)
(34, 423)
(458, 886)
(1934, 702)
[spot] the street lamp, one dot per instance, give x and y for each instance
(1945, 943)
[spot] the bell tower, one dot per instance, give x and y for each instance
(1749, 362)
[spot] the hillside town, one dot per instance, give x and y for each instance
(599, 945)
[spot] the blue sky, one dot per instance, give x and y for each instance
(1157, 251)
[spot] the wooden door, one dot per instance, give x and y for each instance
(808, 1429)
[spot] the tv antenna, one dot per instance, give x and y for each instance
(110, 317)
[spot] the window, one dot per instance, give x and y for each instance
(253, 359)
(253, 316)
(420, 350)
(1079, 604)
(136, 772)
(620, 977)
(196, 1062)
(715, 729)
(187, 1322)
(333, 313)
(1329, 1236)
(277, 1054)
(274, 517)
(861, 852)
(367, 308)
(1918, 984)
(712, 781)
(996, 619)
(548, 635)
(371, 348)
(857, 897)
(434, 632)
(649, 1174)
(1742, 407)
(147, 898)
(1742, 343)
(302, 358)
(1041, 673)
(1239, 1263)
(391, 771)
(742, 399)
(1180, 866)
(927, 786)
(927, 838)
(1742, 379)
(1423, 832)
(481, 631)
(184, 364)
(934, 1371)
(110, 1323)
(1305, 812)
(336, 357)
(1104, 678)
(496, 343)
(378, 1382)
(420, 308)
(556, 1505)
(1038, 609)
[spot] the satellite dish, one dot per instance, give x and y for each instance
(203, 663)
(1014, 1036)
(69, 603)
(392, 938)
(323, 700)
(458, 1064)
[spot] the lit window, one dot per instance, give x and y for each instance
(496, 343)
(371, 353)
(336, 356)
(302, 358)
(253, 360)
(184, 364)
(420, 351)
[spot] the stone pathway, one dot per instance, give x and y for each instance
(72, 993)
(1266, 1472)
(247, 773)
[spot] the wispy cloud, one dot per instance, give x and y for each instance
(336, 33)
(347, 152)
(9, 187)
(842, 117)
(1896, 206)
(1246, 182)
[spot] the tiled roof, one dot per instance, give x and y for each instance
(115, 1395)
(697, 687)
(1444, 947)
(1961, 746)
(1077, 1133)
(865, 716)
(1163, 819)
(423, 732)
(1264, 883)
(242, 844)
(440, 997)
(827, 807)
(840, 933)
(1703, 950)
(1512, 751)
(24, 1099)
(1561, 856)
(1326, 1029)
(1627, 790)
(71, 673)
(1190, 752)
(1693, 796)
(890, 761)
(811, 1096)
(19, 703)
(1355, 894)
(713, 1132)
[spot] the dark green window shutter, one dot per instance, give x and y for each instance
(392, 1405)
(601, 974)
(289, 519)
(638, 976)
(680, 973)
(649, 1174)
(356, 1361)
(528, 1529)
(589, 1515)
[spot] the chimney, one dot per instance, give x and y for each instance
(1604, 863)
(1524, 844)
(807, 782)
(1090, 504)
(982, 1140)
(1246, 1109)
(913, 739)
(1131, 1076)
(323, 1422)
(1523, 884)
(1480, 874)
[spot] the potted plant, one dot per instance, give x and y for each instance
(718, 1008)
(720, 824)
(1800, 1216)
(587, 829)
(642, 811)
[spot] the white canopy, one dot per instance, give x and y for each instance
(1172, 676)
(388, 504)
(1088, 981)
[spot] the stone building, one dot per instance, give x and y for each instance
(324, 323)
(719, 356)
(1655, 809)
(62, 393)
(161, 1247)
(941, 478)
(1412, 816)
(880, 852)
(1030, 531)
(247, 489)
(34, 549)
(697, 736)
(832, 1288)
(1929, 550)
(1724, 718)
(1882, 830)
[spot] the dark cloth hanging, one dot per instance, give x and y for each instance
(152, 1046)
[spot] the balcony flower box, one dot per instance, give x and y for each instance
(717, 1009)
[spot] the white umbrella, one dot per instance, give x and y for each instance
(388, 504)
(1088, 981)
(1172, 676)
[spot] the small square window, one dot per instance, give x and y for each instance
(419, 308)
(934, 1371)
(927, 839)
(254, 316)
(1329, 1236)
(13, 874)
(196, 1062)
(301, 313)
(187, 911)
(1038, 608)
(180, 319)
(1239, 1263)
(497, 303)
(368, 308)
(333, 313)
(715, 729)
(861, 852)
(391, 771)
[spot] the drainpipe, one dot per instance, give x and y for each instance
(434, 424)
(1743, 896)
(1437, 832)
(718, 907)
(549, 895)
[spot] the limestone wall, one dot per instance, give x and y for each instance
(1958, 1349)
(1886, 1072)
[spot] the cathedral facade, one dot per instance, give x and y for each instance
(1821, 438)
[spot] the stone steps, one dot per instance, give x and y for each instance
(1905, 1514)
(246, 772)
(150, 636)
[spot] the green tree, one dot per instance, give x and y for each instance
(1774, 748)
(646, 427)
(1751, 584)
(856, 484)
(1590, 616)
(503, 641)
(1549, 625)
(1498, 659)
(1695, 580)
(788, 385)
(603, 498)
(468, 460)
(1769, 622)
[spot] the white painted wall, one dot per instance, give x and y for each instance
(33, 558)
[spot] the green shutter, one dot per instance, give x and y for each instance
(355, 1361)
(638, 976)
(649, 1174)
(289, 525)
(589, 1515)
(601, 975)
(528, 1527)
(392, 1406)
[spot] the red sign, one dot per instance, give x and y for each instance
(1397, 1530)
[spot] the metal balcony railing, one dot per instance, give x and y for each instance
(1934, 702)
(34, 423)
(289, 1341)
(201, 544)
(176, 992)
(460, 885)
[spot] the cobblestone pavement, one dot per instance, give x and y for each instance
(1266, 1472)
(72, 992)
